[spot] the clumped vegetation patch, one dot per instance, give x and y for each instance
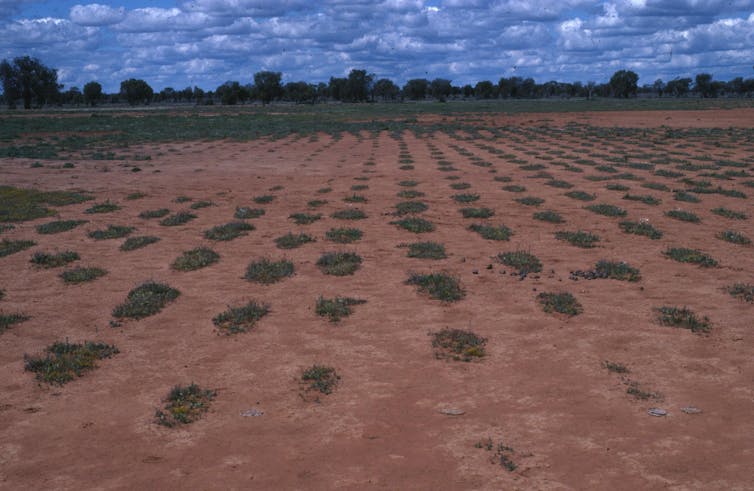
(733, 237)
(63, 361)
(693, 256)
(408, 183)
(264, 199)
(19, 205)
(343, 235)
(685, 197)
(201, 204)
(491, 232)
(549, 216)
(236, 320)
(614, 186)
(439, 286)
(320, 378)
(59, 226)
(8, 320)
(292, 241)
(581, 195)
(82, 275)
(514, 188)
(47, 260)
(105, 207)
(339, 263)
(563, 303)
(267, 272)
(524, 262)
(640, 228)
(355, 198)
(477, 212)
(410, 207)
(502, 454)
(111, 232)
(244, 212)
(415, 225)
(349, 214)
(145, 300)
(336, 308)
(465, 197)
(133, 243)
(556, 183)
(228, 231)
(158, 213)
(530, 201)
(643, 198)
(732, 214)
(197, 258)
(685, 216)
(607, 210)
(316, 203)
(460, 186)
(180, 218)
(617, 270)
(8, 247)
(684, 318)
(615, 367)
(410, 194)
(457, 344)
(744, 291)
(184, 405)
(581, 239)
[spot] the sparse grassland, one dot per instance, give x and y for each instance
(336, 308)
(184, 404)
(458, 344)
(62, 361)
(236, 320)
(266, 272)
(684, 318)
(440, 286)
(145, 300)
(19, 205)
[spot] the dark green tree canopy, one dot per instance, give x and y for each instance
(358, 86)
(92, 93)
(386, 89)
(267, 86)
(623, 83)
(28, 79)
(416, 88)
(136, 91)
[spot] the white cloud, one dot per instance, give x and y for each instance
(95, 14)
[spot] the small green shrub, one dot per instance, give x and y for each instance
(607, 210)
(267, 272)
(733, 237)
(359, 187)
(585, 240)
(82, 275)
(465, 197)
(457, 344)
(617, 271)
(146, 299)
(158, 213)
(556, 183)
(563, 303)
(514, 188)
(8, 247)
(657, 186)
(8, 320)
(135, 196)
(614, 186)
(460, 186)
(111, 232)
(530, 201)
(549, 216)
(581, 195)
(240, 319)
(614, 367)
(693, 256)
(477, 212)
(744, 291)
(324, 190)
(180, 218)
(408, 184)
(683, 318)
(522, 261)
(355, 198)
(491, 232)
(59, 226)
(439, 286)
(336, 308)
(264, 199)
(316, 203)
(416, 225)
(339, 263)
(228, 231)
(105, 207)
(182, 199)
(292, 241)
(64, 361)
(343, 235)
(201, 204)
(646, 199)
(244, 212)
(726, 213)
(410, 207)
(197, 258)
(426, 250)
(685, 216)
(640, 228)
(320, 378)
(349, 214)
(133, 243)
(45, 260)
(184, 405)
(686, 197)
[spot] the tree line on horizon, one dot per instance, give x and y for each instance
(28, 81)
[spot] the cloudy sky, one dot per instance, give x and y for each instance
(179, 43)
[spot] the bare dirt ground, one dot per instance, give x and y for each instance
(541, 389)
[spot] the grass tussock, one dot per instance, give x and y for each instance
(607, 210)
(349, 214)
(440, 286)
(523, 262)
(245, 212)
(63, 361)
(304, 218)
(180, 218)
(563, 303)
(133, 243)
(336, 308)
(8, 320)
(106, 207)
(8, 247)
(145, 300)
(427, 250)
(692, 256)
(744, 291)
(640, 228)
(415, 225)
(48, 260)
(492, 232)
(59, 226)
(228, 231)
(320, 378)
(292, 241)
(344, 235)
(184, 405)
(339, 263)
(266, 272)
(197, 258)
(458, 344)
(111, 232)
(79, 275)
(241, 319)
(549, 216)
(683, 318)
(581, 239)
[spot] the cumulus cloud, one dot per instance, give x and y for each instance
(95, 14)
